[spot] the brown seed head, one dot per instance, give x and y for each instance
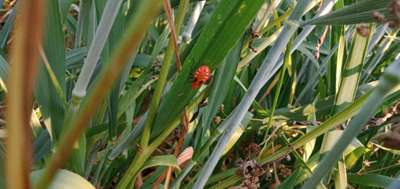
(379, 17)
(363, 30)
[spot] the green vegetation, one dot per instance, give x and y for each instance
(199, 94)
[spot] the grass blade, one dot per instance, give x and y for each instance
(388, 81)
(165, 160)
(320, 130)
(223, 77)
(6, 29)
(359, 12)
(215, 44)
(52, 105)
(146, 12)
(4, 69)
(395, 184)
(96, 47)
(346, 94)
(371, 180)
(262, 76)
(172, 48)
(352, 71)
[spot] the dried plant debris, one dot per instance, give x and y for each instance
(363, 30)
(387, 114)
(251, 171)
(284, 170)
(252, 150)
(217, 120)
(390, 139)
(393, 19)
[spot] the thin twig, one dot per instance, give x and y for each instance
(168, 11)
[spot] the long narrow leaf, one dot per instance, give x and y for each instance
(262, 76)
(146, 12)
(359, 12)
(388, 81)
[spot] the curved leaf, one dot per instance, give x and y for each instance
(65, 179)
(371, 180)
(360, 12)
(165, 160)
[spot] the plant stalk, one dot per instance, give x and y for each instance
(155, 101)
(24, 55)
(135, 32)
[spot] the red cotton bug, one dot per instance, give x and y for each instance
(201, 76)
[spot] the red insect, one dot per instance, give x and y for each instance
(201, 76)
